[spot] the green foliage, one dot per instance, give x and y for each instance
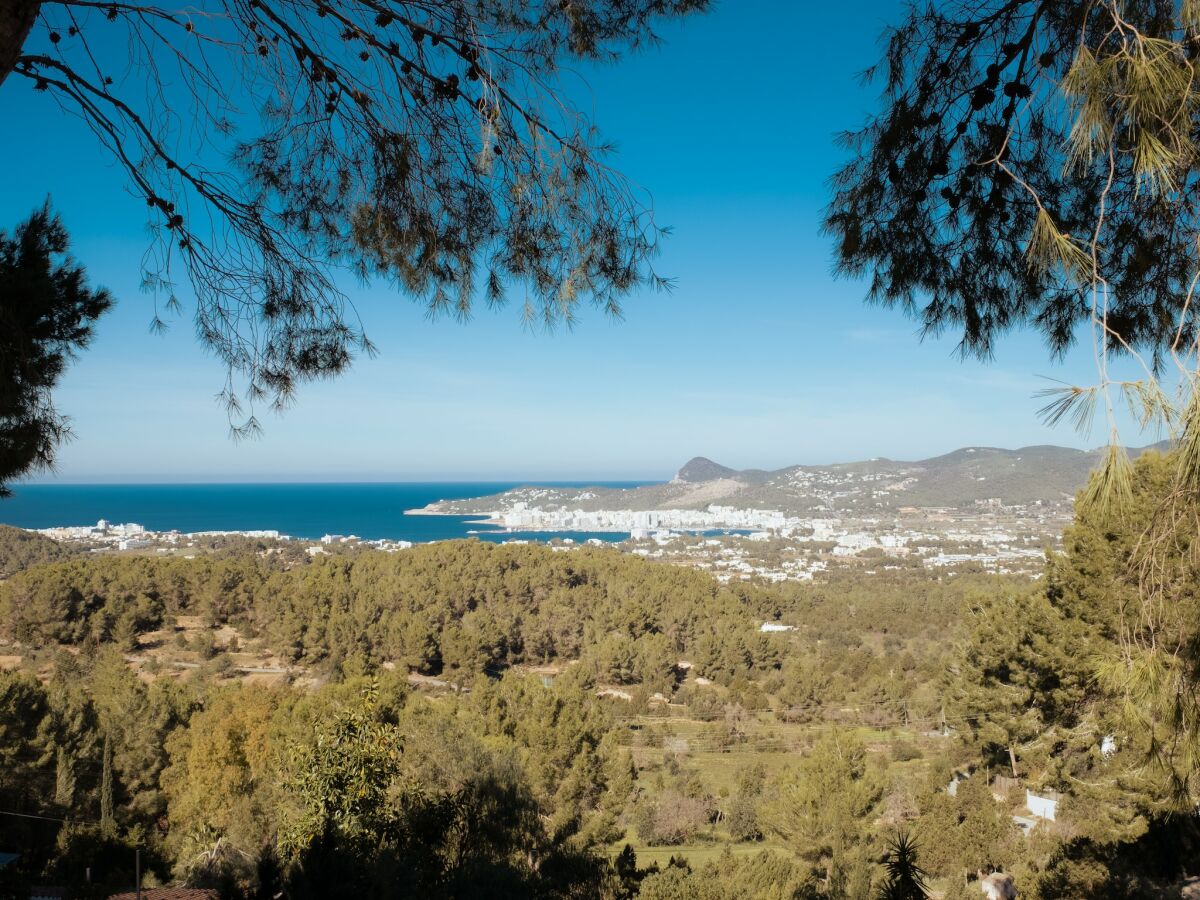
(64, 778)
(108, 822)
(346, 781)
(20, 549)
(823, 808)
(1016, 142)
(965, 833)
(905, 879)
(457, 610)
(743, 818)
(1047, 677)
(431, 145)
(629, 877)
(220, 782)
(57, 763)
(47, 313)
(1128, 577)
(763, 876)
(213, 757)
(523, 781)
(364, 819)
(1142, 869)
(1023, 671)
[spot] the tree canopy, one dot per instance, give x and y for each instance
(1027, 154)
(1035, 164)
(47, 313)
(591, 698)
(275, 141)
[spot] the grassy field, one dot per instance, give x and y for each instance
(697, 854)
(662, 747)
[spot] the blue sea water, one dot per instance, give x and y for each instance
(371, 511)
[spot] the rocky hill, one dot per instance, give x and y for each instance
(1042, 475)
(701, 468)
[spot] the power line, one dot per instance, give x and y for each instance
(5, 812)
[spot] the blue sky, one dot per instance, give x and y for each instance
(759, 358)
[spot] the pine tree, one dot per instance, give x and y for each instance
(64, 778)
(1128, 577)
(431, 143)
(981, 197)
(47, 313)
(1022, 672)
(1034, 165)
(965, 832)
(108, 824)
(823, 808)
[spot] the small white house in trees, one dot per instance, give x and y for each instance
(1044, 806)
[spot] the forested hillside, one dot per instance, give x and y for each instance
(265, 722)
(20, 549)
(460, 610)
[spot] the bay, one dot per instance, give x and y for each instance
(310, 510)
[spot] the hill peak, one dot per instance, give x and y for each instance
(701, 468)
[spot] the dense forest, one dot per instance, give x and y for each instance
(20, 549)
(263, 722)
(461, 610)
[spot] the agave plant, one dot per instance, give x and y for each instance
(905, 879)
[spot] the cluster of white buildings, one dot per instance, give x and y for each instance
(996, 546)
(126, 536)
(391, 546)
(793, 548)
(521, 516)
(803, 548)
(102, 529)
(132, 536)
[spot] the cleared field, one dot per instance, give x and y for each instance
(696, 854)
(717, 753)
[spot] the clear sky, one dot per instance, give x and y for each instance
(759, 358)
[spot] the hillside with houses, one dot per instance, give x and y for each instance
(1045, 476)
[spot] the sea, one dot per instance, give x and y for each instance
(369, 511)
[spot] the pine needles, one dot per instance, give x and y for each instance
(1048, 247)
(1111, 486)
(1134, 92)
(1071, 402)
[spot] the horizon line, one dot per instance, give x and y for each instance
(127, 480)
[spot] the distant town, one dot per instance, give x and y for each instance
(794, 524)
(129, 536)
(733, 544)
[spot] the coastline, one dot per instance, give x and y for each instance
(501, 528)
(491, 520)
(305, 511)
